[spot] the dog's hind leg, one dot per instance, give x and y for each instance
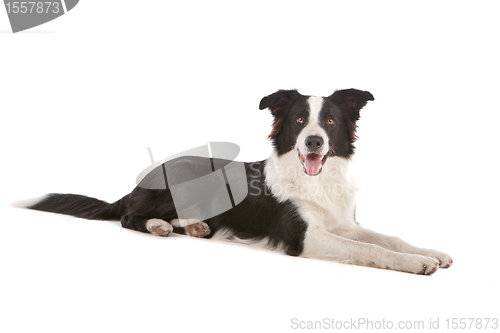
(157, 227)
(192, 227)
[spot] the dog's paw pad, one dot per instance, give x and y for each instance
(159, 227)
(198, 229)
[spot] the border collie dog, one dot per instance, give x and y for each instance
(301, 199)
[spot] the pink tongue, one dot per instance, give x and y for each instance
(313, 164)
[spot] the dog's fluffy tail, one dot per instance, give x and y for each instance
(78, 205)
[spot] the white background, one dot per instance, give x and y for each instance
(83, 96)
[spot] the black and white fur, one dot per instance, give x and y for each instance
(301, 199)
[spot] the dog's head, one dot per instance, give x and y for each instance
(316, 127)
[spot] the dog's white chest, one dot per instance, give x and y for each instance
(326, 199)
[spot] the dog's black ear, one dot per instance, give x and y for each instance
(351, 101)
(279, 100)
(278, 103)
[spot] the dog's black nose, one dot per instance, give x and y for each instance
(314, 143)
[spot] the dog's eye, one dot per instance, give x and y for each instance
(300, 120)
(330, 121)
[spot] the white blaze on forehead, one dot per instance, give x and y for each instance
(313, 127)
(315, 105)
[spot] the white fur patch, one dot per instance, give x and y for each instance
(175, 223)
(25, 203)
(154, 224)
(183, 222)
(186, 222)
(227, 235)
(313, 127)
(326, 199)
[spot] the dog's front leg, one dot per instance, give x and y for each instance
(321, 244)
(361, 234)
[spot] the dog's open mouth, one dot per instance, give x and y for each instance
(313, 163)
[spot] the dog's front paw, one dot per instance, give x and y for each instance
(445, 260)
(159, 227)
(416, 264)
